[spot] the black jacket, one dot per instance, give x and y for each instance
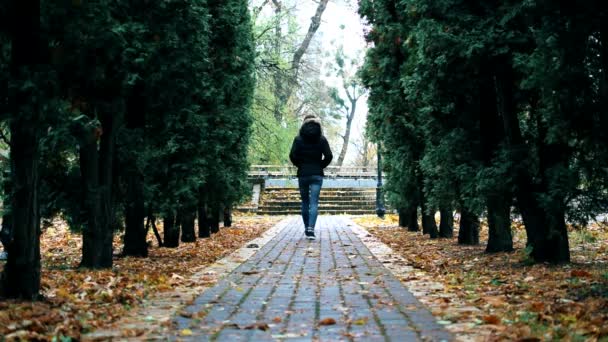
(310, 150)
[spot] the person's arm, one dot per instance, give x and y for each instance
(293, 153)
(327, 155)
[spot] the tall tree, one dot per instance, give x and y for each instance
(353, 90)
(21, 274)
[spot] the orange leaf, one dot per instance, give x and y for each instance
(538, 306)
(580, 274)
(491, 319)
(327, 321)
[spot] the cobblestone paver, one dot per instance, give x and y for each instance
(292, 288)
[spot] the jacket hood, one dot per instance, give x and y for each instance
(311, 129)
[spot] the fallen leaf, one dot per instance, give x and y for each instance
(258, 326)
(491, 319)
(361, 321)
(185, 332)
(580, 274)
(250, 272)
(327, 321)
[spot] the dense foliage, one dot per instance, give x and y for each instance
(485, 105)
(118, 111)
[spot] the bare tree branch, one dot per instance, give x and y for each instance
(257, 10)
(315, 22)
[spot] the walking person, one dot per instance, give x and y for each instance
(310, 153)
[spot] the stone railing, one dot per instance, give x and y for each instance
(284, 171)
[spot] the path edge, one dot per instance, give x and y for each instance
(421, 289)
(154, 316)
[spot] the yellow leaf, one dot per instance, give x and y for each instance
(186, 332)
(361, 321)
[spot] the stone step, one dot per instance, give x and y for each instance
(321, 205)
(321, 212)
(338, 190)
(322, 190)
(322, 199)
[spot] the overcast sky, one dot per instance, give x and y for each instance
(341, 25)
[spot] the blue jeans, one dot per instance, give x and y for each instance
(310, 189)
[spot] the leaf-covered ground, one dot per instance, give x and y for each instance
(78, 301)
(510, 297)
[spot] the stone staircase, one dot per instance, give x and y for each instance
(333, 201)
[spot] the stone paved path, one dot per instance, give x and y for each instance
(293, 284)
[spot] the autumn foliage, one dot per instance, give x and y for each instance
(77, 301)
(506, 296)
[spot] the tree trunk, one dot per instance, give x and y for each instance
(96, 169)
(215, 220)
(227, 217)
(279, 79)
(603, 119)
(499, 225)
(545, 222)
(412, 225)
(6, 235)
(21, 275)
(315, 22)
(92, 227)
(493, 134)
(152, 220)
(429, 226)
(349, 123)
(403, 217)
(287, 81)
(204, 224)
(446, 227)
(468, 233)
(135, 243)
(408, 217)
(171, 231)
(135, 232)
(187, 218)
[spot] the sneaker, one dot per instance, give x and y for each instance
(310, 233)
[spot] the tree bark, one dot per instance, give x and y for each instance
(204, 224)
(408, 217)
(412, 225)
(499, 225)
(215, 220)
(21, 275)
(92, 228)
(135, 243)
(492, 136)
(171, 231)
(227, 217)
(545, 223)
(187, 218)
(97, 172)
(429, 226)
(285, 84)
(315, 22)
(468, 233)
(446, 227)
(349, 122)
(152, 220)
(403, 217)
